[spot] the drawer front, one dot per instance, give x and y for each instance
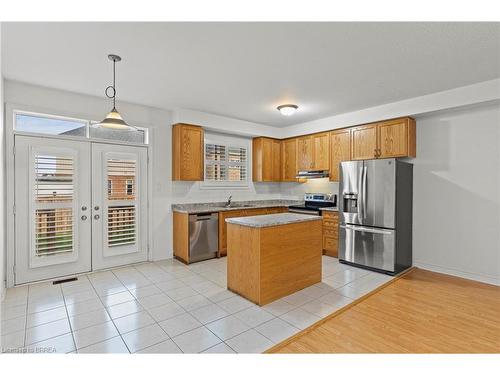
(330, 243)
(329, 232)
(330, 224)
(330, 215)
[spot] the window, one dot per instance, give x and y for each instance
(35, 123)
(130, 187)
(50, 125)
(226, 161)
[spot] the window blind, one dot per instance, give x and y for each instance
(225, 163)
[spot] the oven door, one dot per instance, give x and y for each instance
(304, 211)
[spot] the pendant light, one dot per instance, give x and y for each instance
(113, 119)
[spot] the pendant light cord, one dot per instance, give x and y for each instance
(114, 85)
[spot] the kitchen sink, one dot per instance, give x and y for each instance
(236, 205)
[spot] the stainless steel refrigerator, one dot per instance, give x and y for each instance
(375, 209)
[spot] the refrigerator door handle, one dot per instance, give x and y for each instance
(365, 172)
(358, 228)
(360, 195)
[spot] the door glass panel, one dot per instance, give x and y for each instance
(54, 231)
(121, 206)
(53, 198)
(121, 179)
(121, 225)
(53, 178)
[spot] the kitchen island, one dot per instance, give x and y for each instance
(272, 256)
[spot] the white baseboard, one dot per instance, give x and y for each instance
(462, 274)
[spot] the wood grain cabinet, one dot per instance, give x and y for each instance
(289, 159)
(223, 215)
(340, 150)
(331, 233)
(305, 154)
(266, 160)
(313, 152)
(387, 139)
(187, 152)
(397, 138)
(364, 142)
(321, 151)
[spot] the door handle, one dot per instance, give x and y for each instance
(84, 217)
(96, 217)
(366, 229)
(96, 208)
(84, 208)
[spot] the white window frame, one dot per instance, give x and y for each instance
(228, 141)
(88, 123)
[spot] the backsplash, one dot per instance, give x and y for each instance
(193, 192)
(291, 190)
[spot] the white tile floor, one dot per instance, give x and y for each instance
(168, 307)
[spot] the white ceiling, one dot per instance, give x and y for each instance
(244, 70)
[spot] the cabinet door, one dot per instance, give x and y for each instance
(321, 151)
(289, 159)
(187, 152)
(276, 160)
(305, 153)
(364, 142)
(394, 138)
(340, 150)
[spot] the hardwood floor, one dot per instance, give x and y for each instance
(421, 312)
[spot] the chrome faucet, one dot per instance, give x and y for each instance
(228, 203)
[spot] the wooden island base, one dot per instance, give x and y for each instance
(265, 264)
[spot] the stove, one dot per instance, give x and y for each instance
(313, 202)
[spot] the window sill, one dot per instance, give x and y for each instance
(223, 186)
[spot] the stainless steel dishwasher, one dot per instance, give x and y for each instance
(203, 236)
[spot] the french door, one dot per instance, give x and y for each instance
(119, 194)
(79, 207)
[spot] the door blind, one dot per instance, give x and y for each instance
(53, 186)
(121, 225)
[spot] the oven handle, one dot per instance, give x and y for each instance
(307, 212)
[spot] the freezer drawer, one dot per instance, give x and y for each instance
(368, 246)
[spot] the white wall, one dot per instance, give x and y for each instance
(2, 182)
(456, 219)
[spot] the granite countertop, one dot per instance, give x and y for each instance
(272, 220)
(333, 209)
(196, 208)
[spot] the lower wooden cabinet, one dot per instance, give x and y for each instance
(331, 233)
(181, 236)
(223, 215)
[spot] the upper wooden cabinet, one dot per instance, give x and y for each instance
(187, 152)
(387, 139)
(321, 151)
(289, 159)
(340, 150)
(266, 159)
(364, 142)
(397, 138)
(305, 153)
(313, 152)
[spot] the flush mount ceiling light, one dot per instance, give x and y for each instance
(113, 119)
(287, 109)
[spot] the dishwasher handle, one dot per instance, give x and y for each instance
(204, 216)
